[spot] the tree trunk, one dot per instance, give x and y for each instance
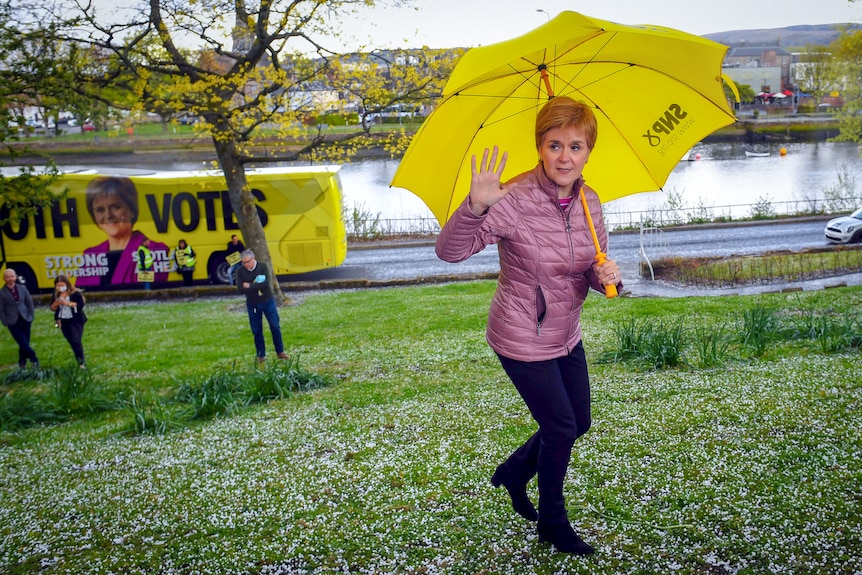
(245, 207)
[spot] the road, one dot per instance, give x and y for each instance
(416, 261)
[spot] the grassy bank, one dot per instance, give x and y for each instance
(156, 136)
(769, 267)
(750, 466)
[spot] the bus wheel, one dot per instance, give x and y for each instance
(219, 272)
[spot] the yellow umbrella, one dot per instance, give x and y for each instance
(655, 92)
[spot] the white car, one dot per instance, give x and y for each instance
(846, 229)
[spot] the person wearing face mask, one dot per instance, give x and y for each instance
(547, 267)
(67, 304)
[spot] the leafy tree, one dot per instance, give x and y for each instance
(848, 74)
(814, 72)
(746, 93)
(253, 71)
(28, 60)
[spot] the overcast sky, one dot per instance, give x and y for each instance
(469, 23)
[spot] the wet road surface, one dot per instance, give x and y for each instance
(416, 261)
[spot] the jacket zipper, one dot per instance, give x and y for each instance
(571, 248)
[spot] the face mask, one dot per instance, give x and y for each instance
(61, 289)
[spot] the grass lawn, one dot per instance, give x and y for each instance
(751, 466)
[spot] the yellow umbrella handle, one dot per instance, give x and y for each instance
(601, 257)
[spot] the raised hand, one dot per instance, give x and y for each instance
(485, 187)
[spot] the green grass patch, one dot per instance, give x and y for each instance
(747, 465)
(765, 268)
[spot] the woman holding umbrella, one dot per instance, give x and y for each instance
(547, 266)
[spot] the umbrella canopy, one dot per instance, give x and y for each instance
(655, 91)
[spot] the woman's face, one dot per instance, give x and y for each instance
(564, 154)
(61, 286)
(113, 215)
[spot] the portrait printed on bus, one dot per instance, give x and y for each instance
(113, 205)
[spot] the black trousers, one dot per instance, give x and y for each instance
(187, 274)
(20, 331)
(74, 333)
(557, 393)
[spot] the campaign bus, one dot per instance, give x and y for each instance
(93, 232)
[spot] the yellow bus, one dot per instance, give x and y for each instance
(93, 233)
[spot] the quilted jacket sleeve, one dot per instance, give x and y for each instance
(463, 235)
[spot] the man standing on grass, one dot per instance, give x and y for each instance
(253, 281)
(16, 312)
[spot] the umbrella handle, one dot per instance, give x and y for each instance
(610, 289)
(601, 257)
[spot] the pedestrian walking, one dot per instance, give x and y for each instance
(17, 313)
(547, 267)
(67, 303)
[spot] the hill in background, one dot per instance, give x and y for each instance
(787, 37)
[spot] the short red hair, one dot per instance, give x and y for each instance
(564, 112)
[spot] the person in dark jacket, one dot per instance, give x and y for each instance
(253, 281)
(16, 313)
(234, 246)
(67, 303)
(547, 266)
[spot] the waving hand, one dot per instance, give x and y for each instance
(485, 187)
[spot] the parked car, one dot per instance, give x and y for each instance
(88, 127)
(187, 120)
(846, 229)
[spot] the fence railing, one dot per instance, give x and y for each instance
(764, 210)
(621, 220)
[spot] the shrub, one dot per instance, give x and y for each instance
(762, 209)
(73, 391)
(213, 396)
(657, 345)
(279, 381)
(759, 328)
(835, 334)
(662, 345)
(22, 408)
(712, 345)
(150, 417)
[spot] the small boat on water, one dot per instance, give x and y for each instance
(749, 154)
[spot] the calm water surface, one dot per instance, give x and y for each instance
(722, 177)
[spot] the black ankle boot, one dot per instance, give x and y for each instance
(564, 538)
(518, 492)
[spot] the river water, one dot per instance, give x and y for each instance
(722, 182)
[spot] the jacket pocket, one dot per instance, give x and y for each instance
(541, 309)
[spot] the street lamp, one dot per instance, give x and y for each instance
(544, 12)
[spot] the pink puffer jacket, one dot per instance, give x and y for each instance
(546, 264)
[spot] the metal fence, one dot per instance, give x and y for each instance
(375, 227)
(669, 216)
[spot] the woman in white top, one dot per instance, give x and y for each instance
(67, 304)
